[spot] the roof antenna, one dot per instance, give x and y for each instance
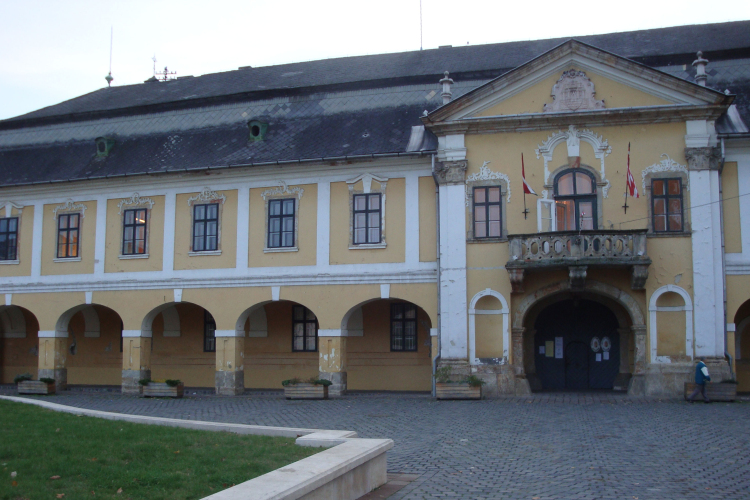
(420, 24)
(109, 77)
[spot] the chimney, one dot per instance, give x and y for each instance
(700, 69)
(446, 82)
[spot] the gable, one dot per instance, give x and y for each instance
(620, 82)
(533, 98)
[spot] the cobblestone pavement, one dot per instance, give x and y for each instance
(551, 446)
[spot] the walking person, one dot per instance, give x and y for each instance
(701, 377)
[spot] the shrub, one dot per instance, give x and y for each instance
(144, 381)
(474, 381)
(47, 380)
(443, 375)
(320, 381)
(291, 381)
(311, 380)
(22, 378)
(173, 382)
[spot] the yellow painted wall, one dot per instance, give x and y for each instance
(19, 356)
(489, 329)
(25, 232)
(372, 365)
(395, 226)
(183, 357)
(269, 360)
(155, 237)
(97, 361)
(307, 225)
(184, 231)
(738, 295)
(671, 328)
(731, 206)
(533, 99)
(427, 220)
(86, 242)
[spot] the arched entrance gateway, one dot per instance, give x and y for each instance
(579, 340)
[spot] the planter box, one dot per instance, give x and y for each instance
(306, 391)
(35, 387)
(162, 390)
(457, 391)
(714, 391)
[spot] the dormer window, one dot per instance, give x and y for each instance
(257, 130)
(104, 145)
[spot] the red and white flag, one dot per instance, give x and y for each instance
(526, 188)
(631, 182)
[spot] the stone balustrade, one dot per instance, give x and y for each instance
(578, 250)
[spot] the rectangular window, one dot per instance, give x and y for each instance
(366, 218)
(9, 238)
(666, 200)
(403, 327)
(134, 232)
(281, 223)
(304, 330)
(209, 332)
(68, 232)
(205, 227)
(487, 217)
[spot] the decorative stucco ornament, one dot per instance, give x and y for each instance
(135, 201)
(573, 92)
(485, 174)
(207, 196)
(283, 189)
(606, 344)
(70, 206)
(450, 172)
(666, 165)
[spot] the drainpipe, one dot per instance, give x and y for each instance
(437, 243)
(724, 260)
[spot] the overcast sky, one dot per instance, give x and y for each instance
(53, 50)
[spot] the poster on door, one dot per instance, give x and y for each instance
(558, 347)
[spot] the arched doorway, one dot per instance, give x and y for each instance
(94, 350)
(576, 346)
(19, 343)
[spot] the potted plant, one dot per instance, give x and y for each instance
(170, 388)
(28, 386)
(726, 390)
(466, 388)
(311, 388)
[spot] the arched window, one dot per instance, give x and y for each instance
(575, 200)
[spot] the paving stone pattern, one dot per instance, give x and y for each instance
(571, 446)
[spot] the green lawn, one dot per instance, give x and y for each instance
(96, 458)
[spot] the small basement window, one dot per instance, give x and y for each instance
(257, 130)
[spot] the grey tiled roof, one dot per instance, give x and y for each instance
(666, 46)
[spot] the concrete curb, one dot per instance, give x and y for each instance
(350, 469)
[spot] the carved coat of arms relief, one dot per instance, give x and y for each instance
(574, 91)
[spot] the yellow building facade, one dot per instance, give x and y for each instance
(373, 269)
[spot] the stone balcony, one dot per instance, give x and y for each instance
(578, 251)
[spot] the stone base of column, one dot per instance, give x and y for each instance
(523, 388)
(59, 374)
(459, 368)
(230, 383)
(637, 386)
(338, 382)
(130, 380)
(718, 368)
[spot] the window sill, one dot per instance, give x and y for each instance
(134, 256)
(367, 246)
(280, 250)
(487, 240)
(207, 252)
(669, 235)
(66, 259)
(11, 262)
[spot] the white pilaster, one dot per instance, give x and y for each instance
(36, 240)
(170, 199)
(243, 227)
(453, 312)
(324, 224)
(412, 219)
(100, 237)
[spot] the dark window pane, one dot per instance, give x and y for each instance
(565, 185)
(583, 184)
(657, 188)
(660, 207)
(674, 186)
(675, 206)
(494, 195)
(360, 202)
(375, 202)
(479, 195)
(660, 223)
(480, 229)
(274, 207)
(675, 223)
(3, 225)
(288, 207)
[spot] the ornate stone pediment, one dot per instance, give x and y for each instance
(135, 201)
(485, 174)
(573, 92)
(207, 196)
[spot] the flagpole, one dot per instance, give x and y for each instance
(625, 206)
(523, 175)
